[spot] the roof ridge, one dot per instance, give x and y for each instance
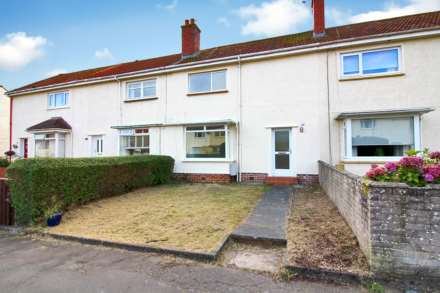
(248, 42)
(327, 28)
(394, 25)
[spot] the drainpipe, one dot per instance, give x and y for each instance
(11, 107)
(239, 122)
(330, 148)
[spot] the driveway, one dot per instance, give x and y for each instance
(35, 265)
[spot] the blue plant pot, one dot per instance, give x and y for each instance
(55, 220)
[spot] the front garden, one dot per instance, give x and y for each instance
(127, 200)
(319, 238)
(189, 217)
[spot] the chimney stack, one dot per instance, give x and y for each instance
(318, 18)
(190, 38)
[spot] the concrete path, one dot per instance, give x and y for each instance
(56, 266)
(269, 218)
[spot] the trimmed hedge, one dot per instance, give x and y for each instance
(42, 186)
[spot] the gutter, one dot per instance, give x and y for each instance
(315, 47)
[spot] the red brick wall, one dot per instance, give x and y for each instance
(308, 179)
(253, 177)
(206, 178)
(303, 179)
(274, 180)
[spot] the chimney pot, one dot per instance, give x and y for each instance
(190, 38)
(318, 18)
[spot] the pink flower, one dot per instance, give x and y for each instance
(428, 177)
(431, 171)
(375, 171)
(434, 155)
(391, 167)
(412, 162)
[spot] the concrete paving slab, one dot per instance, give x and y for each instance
(268, 221)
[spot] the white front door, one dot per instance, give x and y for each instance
(282, 163)
(97, 145)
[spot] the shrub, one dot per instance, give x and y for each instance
(4, 163)
(415, 169)
(39, 186)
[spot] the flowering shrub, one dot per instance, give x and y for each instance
(415, 169)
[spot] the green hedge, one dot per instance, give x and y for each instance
(42, 186)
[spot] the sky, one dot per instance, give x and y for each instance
(42, 38)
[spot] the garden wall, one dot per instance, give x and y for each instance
(397, 226)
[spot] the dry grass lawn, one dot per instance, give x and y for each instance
(194, 217)
(318, 236)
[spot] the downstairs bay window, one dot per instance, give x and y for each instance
(378, 138)
(206, 142)
(135, 141)
(50, 145)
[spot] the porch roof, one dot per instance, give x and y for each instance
(419, 111)
(54, 123)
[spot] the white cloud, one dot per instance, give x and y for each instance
(169, 7)
(224, 21)
(18, 49)
(55, 72)
(104, 54)
(390, 9)
(274, 17)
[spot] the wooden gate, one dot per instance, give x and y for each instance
(6, 211)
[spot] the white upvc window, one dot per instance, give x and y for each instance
(379, 138)
(206, 82)
(371, 63)
(134, 141)
(141, 89)
(58, 100)
(206, 142)
(50, 145)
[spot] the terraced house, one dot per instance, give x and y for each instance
(265, 110)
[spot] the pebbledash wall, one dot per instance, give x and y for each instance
(397, 226)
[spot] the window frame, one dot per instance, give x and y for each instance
(58, 137)
(225, 89)
(204, 130)
(120, 136)
(347, 134)
(361, 75)
(69, 96)
(127, 90)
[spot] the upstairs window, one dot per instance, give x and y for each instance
(205, 82)
(375, 62)
(58, 100)
(206, 142)
(135, 141)
(141, 89)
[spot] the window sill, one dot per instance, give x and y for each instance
(58, 108)
(371, 160)
(358, 77)
(207, 160)
(141, 100)
(207, 93)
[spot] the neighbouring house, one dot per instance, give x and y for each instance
(4, 121)
(264, 110)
